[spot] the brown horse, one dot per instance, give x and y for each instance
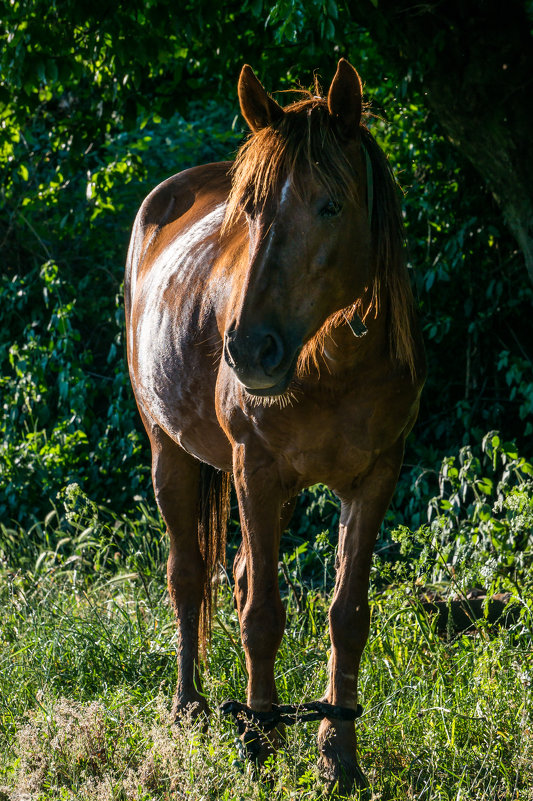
(247, 285)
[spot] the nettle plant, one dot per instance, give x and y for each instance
(480, 530)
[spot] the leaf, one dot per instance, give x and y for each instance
(41, 71)
(485, 486)
(330, 30)
(333, 11)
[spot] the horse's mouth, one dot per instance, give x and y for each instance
(278, 390)
(270, 392)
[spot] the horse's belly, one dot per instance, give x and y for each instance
(175, 386)
(206, 442)
(174, 381)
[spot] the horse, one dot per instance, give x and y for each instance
(272, 339)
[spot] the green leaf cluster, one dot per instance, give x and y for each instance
(479, 529)
(96, 107)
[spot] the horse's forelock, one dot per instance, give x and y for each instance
(303, 142)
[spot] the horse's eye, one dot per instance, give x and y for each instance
(330, 209)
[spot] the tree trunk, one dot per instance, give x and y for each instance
(474, 62)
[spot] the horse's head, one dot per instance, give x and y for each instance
(300, 182)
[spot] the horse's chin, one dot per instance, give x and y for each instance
(270, 392)
(279, 394)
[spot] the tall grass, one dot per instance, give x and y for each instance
(87, 665)
(87, 671)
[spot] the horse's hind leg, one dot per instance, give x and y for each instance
(176, 480)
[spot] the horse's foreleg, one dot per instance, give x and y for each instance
(176, 480)
(239, 563)
(261, 613)
(349, 616)
(239, 568)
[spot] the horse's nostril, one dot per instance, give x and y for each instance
(271, 352)
(255, 356)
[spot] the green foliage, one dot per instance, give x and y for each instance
(81, 536)
(480, 526)
(67, 409)
(91, 120)
(88, 672)
(471, 494)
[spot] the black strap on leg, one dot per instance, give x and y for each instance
(288, 714)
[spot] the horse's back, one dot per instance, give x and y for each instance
(174, 206)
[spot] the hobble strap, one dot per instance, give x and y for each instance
(287, 714)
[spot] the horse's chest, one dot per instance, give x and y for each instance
(325, 443)
(332, 443)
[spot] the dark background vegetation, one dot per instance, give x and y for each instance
(100, 101)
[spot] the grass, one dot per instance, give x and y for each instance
(87, 672)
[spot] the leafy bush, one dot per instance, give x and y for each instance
(68, 413)
(80, 149)
(480, 525)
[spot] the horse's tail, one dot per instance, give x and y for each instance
(213, 513)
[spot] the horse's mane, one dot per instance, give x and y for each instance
(306, 138)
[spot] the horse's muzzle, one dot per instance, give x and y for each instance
(260, 360)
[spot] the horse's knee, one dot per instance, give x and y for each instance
(349, 624)
(262, 627)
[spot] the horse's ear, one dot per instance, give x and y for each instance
(345, 98)
(258, 109)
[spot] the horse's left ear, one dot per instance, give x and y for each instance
(258, 109)
(345, 98)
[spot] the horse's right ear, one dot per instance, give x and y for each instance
(258, 109)
(345, 99)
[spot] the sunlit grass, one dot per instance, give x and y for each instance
(87, 671)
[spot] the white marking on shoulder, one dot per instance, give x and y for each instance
(154, 340)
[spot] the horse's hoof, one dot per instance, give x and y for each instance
(341, 778)
(258, 746)
(338, 764)
(190, 711)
